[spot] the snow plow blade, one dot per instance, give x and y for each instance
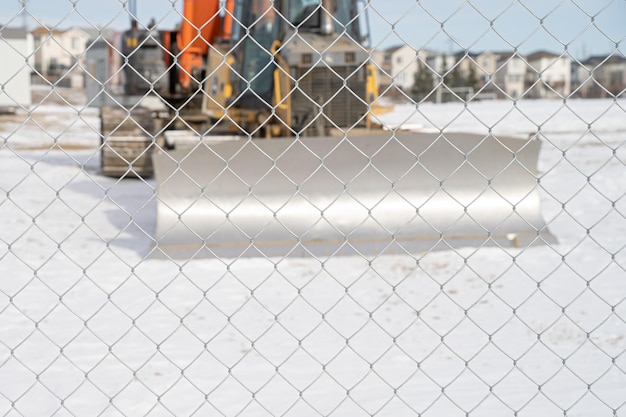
(371, 194)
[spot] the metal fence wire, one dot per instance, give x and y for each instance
(313, 208)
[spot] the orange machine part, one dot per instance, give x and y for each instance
(227, 29)
(200, 26)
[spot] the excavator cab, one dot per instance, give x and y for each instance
(286, 65)
(254, 75)
(346, 16)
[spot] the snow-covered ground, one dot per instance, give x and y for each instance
(89, 327)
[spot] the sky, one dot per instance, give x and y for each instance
(580, 28)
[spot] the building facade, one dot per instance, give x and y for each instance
(599, 76)
(548, 76)
(510, 76)
(16, 47)
(60, 54)
(398, 66)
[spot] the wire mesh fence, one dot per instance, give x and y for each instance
(313, 208)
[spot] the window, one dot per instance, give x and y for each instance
(343, 15)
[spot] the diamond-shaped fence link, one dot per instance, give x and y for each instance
(312, 208)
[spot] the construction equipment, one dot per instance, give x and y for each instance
(367, 194)
(146, 80)
(290, 68)
(297, 72)
(253, 67)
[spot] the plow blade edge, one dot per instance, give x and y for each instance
(370, 194)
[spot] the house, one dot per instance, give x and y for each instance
(504, 74)
(16, 46)
(613, 74)
(398, 66)
(60, 54)
(486, 66)
(510, 75)
(600, 76)
(548, 75)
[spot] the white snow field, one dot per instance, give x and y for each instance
(88, 327)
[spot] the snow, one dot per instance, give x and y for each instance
(91, 326)
(517, 118)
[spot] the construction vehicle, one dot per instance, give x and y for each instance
(146, 80)
(236, 58)
(277, 155)
(298, 70)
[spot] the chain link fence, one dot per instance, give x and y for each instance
(98, 319)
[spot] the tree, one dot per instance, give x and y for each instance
(443, 71)
(448, 78)
(455, 78)
(472, 79)
(423, 82)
